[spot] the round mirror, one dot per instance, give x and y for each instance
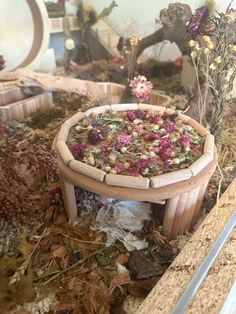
(24, 32)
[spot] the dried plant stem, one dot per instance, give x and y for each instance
(199, 102)
(81, 261)
(85, 241)
(219, 186)
(22, 269)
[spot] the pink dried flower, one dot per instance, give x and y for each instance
(119, 167)
(184, 141)
(141, 88)
(122, 140)
(164, 149)
(131, 116)
(140, 114)
(138, 129)
(94, 137)
(152, 136)
(170, 127)
(154, 118)
(77, 149)
(140, 165)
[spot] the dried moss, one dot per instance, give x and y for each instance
(40, 119)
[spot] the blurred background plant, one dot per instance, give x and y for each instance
(87, 17)
(211, 38)
(2, 63)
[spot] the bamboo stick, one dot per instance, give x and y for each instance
(64, 152)
(98, 110)
(123, 107)
(87, 170)
(198, 127)
(200, 163)
(68, 193)
(169, 216)
(170, 178)
(127, 181)
(177, 223)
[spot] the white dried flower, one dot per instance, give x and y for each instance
(70, 44)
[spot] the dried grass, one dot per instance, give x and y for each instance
(226, 146)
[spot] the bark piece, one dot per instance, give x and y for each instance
(170, 178)
(127, 181)
(87, 170)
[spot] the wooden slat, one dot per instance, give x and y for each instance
(176, 227)
(169, 216)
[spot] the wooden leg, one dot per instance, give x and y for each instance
(199, 203)
(189, 210)
(68, 192)
(169, 216)
(177, 223)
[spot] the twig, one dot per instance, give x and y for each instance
(81, 261)
(22, 269)
(46, 275)
(85, 241)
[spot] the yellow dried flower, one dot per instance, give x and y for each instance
(233, 48)
(191, 43)
(210, 45)
(206, 38)
(134, 40)
(193, 54)
(206, 51)
(212, 66)
(218, 59)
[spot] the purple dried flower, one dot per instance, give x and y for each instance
(140, 114)
(196, 21)
(140, 165)
(141, 88)
(170, 127)
(122, 140)
(184, 141)
(94, 123)
(131, 116)
(77, 149)
(94, 137)
(173, 117)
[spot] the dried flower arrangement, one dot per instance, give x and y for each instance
(211, 39)
(135, 142)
